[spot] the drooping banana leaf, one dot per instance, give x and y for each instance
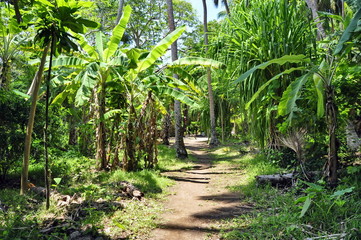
(255, 96)
(178, 95)
(291, 95)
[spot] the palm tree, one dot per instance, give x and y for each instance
(179, 143)
(214, 140)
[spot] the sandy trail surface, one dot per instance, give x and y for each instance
(200, 199)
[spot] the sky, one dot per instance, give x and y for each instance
(212, 10)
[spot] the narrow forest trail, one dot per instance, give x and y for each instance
(200, 199)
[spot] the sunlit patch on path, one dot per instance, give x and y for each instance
(200, 199)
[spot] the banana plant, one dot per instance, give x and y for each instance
(94, 68)
(99, 66)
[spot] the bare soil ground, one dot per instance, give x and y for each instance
(200, 199)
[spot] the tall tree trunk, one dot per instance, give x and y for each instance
(214, 140)
(225, 2)
(166, 123)
(100, 129)
(312, 4)
(120, 11)
(129, 157)
(46, 139)
(4, 75)
(331, 114)
(181, 151)
(18, 16)
(29, 130)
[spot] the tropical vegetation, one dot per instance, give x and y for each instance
(93, 93)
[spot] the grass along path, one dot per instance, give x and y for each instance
(200, 200)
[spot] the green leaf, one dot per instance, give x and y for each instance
(57, 180)
(280, 61)
(347, 34)
(178, 95)
(24, 95)
(117, 34)
(288, 101)
(190, 61)
(99, 45)
(288, 71)
(112, 113)
(47, 3)
(319, 86)
(305, 207)
(85, 45)
(342, 192)
(66, 61)
(88, 23)
(159, 49)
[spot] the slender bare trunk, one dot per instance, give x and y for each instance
(18, 16)
(100, 129)
(214, 140)
(312, 4)
(4, 76)
(225, 2)
(120, 11)
(331, 114)
(181, 151)
(46, 139)
(166, 126)
(29, 130)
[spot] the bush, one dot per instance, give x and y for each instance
(12, 131)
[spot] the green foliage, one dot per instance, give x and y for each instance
(352, 29)
(12, 124)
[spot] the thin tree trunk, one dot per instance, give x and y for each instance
(4, 77)
(120, 11)
(312, 4)
(100, 129)
(29, 130)
(331, 113)
(181, 151)
(214, 141)
(18, 16)
(166, 126)
(46, 139)
(225, 2)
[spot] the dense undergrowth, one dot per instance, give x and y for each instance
(304, 211)
(103, 212)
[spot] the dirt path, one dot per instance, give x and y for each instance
(200, 199)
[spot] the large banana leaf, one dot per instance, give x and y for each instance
(85, 46)
(205, 62)
(282, 60)
(288, 71)
(160, 49)
(291, 95)
(178, 95)
(349, 31)
(67, 61)
(117, 34)
(319, 86)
